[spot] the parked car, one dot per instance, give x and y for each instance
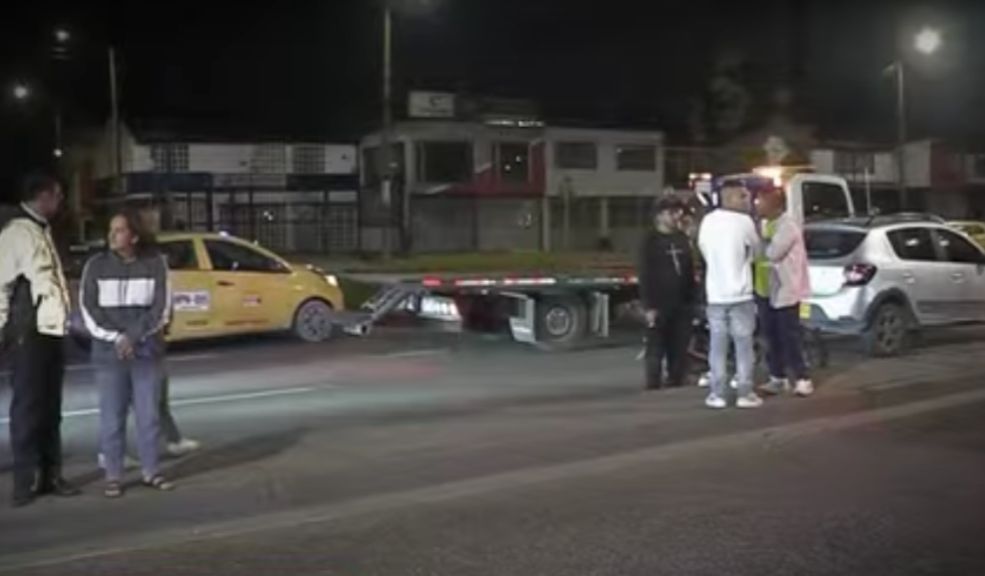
(884, 278)
(974, 230)
(223, 286)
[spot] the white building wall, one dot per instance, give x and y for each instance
(606, 180)
(885, 167)
(220, 158)
(823, 161)
(917, 166)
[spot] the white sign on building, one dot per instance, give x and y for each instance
(431, 105)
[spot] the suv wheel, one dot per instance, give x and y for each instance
(887, 333)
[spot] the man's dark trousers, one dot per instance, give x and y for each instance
(668, 338)
(36, 410)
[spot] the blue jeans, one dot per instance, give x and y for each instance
(738, 323)
(122, 383)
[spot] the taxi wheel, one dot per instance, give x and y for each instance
(313, 321)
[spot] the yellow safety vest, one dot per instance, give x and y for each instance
(761, 265)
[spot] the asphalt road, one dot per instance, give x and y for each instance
(423, 453)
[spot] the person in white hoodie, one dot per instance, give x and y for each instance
(728, 242)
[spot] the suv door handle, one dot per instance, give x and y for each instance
(225, 283)
(957, 275)
(909, 277)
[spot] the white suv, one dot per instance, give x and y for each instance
(885, 277)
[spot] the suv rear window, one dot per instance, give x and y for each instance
(822, 244)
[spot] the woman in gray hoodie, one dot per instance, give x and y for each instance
(125, 299)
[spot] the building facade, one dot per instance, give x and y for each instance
(293, 197)
(509, 185)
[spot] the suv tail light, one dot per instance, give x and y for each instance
(859, 274)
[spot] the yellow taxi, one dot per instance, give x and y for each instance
(974, 229)
(222, 286)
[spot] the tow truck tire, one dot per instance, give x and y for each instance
(313, 321)
(888, 332)
(561, 322)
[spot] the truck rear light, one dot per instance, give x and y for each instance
(859, 274)
(431, 282)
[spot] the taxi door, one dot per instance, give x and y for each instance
(191, 290)
(247, 286)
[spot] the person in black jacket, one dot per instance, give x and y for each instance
(667, 292)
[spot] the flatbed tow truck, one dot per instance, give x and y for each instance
(558, 310)
(549, 310)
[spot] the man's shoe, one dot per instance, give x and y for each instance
(715, 402)
(59, 487)
(775, 386)
(804, 388)
(187, 446)
(750, 400)
(704, 381)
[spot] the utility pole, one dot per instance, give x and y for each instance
(901, 134)
(116, 154)
(386, 170)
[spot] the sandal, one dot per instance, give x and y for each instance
(159, 482)
(113, 490)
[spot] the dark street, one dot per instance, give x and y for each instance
(385, 458)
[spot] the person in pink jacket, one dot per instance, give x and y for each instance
(789, 284)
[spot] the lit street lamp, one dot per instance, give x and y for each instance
(21, 92)
(62, 35)
(927, 41)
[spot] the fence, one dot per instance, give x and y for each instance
(282, 221)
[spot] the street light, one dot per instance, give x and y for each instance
(21, 92)
(62, 35)
(927, 41)
(386, 164)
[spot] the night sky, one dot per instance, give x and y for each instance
(311, 69)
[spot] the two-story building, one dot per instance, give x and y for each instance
(944, 178)
(508, 184)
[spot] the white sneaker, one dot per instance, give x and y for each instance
(704, 381)
(776, 386)
(750, 400)
(733, 384)
(715, 402)
(804, 388)
(183, 446)
(129, 462)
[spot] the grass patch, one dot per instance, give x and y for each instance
(356, 292)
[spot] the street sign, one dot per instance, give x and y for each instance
(431, 105)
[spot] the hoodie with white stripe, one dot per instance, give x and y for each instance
(133, 299)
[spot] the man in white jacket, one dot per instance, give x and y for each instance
(728, 242)
(34, 306)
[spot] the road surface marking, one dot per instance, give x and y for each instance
(415, 353)
(204, 400)
(245, 396)
(479, 486)
(171, 359)
(193, 357)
